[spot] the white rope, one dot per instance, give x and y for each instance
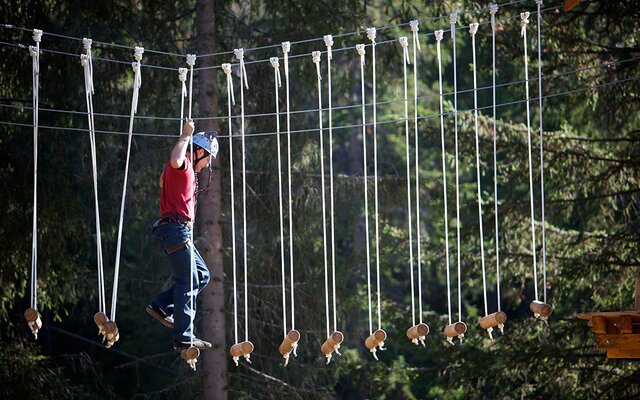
(544, 242)
(493, 8)
(85, 61)
(137, 66)
(277, 84)
(230, 100)
(453, 18)
(328, 40)
(416, 48)
(523, 32)
(473, 29)
(316, 60)
(286, 47)
(405, 60)
(34, 51)
(360, 48)
(239, 53)
(371, 34)
(191, 60)
(182, 76)
(439, 35)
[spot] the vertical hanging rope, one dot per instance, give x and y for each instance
(439, 35)
(277, 84)
(405, 60)
(473, 29)
(328, 40)
(239, 53)
(453, 18)
(191, 60)
(182, 76)
(286, 47)
(544, 242)
(523, 32)
(31, 314)
(371, 34)
(361, 51)
(231, 100)
(85, 61)
(493, 9)
(416, 48)
(137, 70)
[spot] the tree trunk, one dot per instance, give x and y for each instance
(213, 315)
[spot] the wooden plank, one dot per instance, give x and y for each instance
(599, 325)
(618, 342)
(614, 353)
(625, 325)
(609, 314)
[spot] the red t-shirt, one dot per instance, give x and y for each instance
(178, 191)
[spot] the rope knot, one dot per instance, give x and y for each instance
(286, 47)
(453, 18)
(361, 50)
(316, 56)
(33, 50)
(86, 43)
(137, 53)
(182, 74)
(275, 63)
(473, 28)
(404, 42)
(524, 22)
(191, 60)
(493, 8)
(371, 34)
(239, 53)
(539, 2)
(84, 60)
(226, 67)
(414, 25)
(439, 35)
(328, 41)
(37, 35)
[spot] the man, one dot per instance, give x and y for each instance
(175, 306)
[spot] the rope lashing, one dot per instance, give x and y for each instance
(182, 77)
(333, 341)
(245, 347)
(544, 241)
(459, 328)
(539, 308)
(110, 328)
(439, 36)
(371, 34)
(85, 61)
(31, 314)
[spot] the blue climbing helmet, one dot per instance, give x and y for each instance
(207, 141)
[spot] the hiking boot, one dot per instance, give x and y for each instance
(185, 344)
(159, 314)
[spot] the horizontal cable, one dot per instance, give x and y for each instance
(247, 50)
(314, 130)
(605, 64)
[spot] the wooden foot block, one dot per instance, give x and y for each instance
(540, 309)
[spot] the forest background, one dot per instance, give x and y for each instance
(592, 194)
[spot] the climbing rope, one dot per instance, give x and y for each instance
(137, 70)
(31, 314)
(416, 48)
(231, 100)
(85, 61)
(544, 242)
(191, 60)
(182, 76)
(405, 60)
(371, 34)
(473, 29)
(439, 35)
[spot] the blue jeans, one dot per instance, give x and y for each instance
(179, 299)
